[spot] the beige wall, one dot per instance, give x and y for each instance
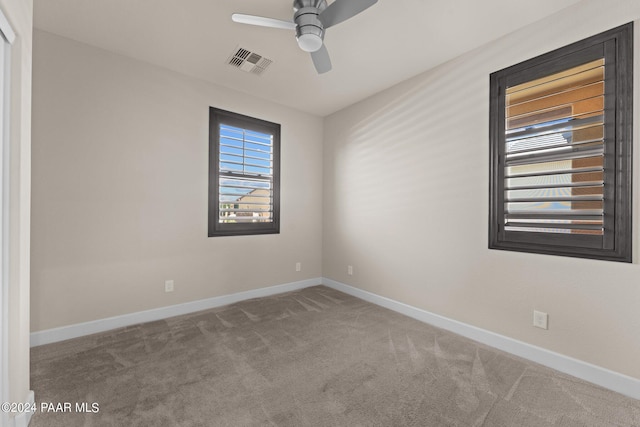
(20, 15)
(120, 199)
(406, 203)
(120, 169)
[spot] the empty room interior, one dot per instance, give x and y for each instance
(236, 213)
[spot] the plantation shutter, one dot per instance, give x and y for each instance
(554, 153)
(561, 139)
(246, 176)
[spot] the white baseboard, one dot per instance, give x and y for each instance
(81, 329)
(615, 381)
(24, 418)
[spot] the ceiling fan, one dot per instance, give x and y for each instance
(310, 20)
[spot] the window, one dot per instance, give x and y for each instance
(244, 175)
(560, 142)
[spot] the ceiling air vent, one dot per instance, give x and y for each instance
(249, 61)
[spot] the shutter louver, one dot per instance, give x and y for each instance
(246, 176)
(554, 153)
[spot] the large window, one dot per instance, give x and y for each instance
(561, 139)
(244, 175)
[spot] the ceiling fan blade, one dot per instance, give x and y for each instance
(262, 21)
(321, 60)
(341, 10)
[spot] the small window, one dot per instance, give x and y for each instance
(561, 139)
(244, 175)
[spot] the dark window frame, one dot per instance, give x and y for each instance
(216, 118)
(616, 46)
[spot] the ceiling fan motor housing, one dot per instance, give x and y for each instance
(309, 29)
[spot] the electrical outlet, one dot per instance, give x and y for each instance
(298, 266)
(168, 285)
(540, 319)
(350, 270)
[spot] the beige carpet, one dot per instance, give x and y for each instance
(315, 357)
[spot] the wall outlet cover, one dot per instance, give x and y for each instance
(540, 319)
(168, 285)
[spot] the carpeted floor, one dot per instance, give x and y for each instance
(315, 357)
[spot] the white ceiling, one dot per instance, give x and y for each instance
(384, 45)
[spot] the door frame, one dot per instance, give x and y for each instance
(7, 37)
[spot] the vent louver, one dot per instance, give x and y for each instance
(248, 61)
